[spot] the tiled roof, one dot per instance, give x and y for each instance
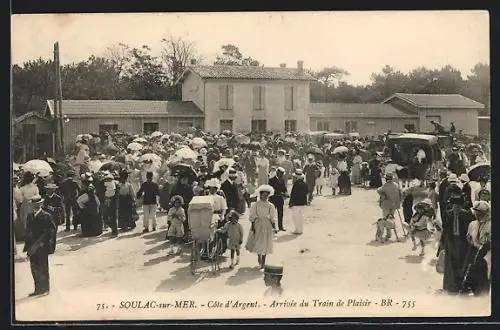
(247, 72)
(368, 110)
(127, 108)
(28, 115)
(438, 101)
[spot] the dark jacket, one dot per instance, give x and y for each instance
(231, 192)
(298, 196)
(467, 190)
(150, 190)
(442, 188)
(279, 191)
(54, 205)
(40, 227)
(69, 190)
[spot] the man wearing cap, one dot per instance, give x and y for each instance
(40, 242)
(280, 192)
(298, 200)
(311, 172)
(390, 197)
(151, 197)
(272, 279)
(69, 190)
(53, 204)
(230, 189)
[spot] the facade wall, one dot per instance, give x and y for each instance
(243, 112)
(193, 90)
(464, 119)
(484, 127)
(365, 126)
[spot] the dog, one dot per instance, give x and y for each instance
(386, 224)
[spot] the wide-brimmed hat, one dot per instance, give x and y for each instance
(177, 198)
(281, 170)
(389, 176)
(273, 270)
(109, 176)
(443, 172)
(464, 177)
(452, 178)
(51, 186)
(36, 199)
(232, 170)
(264, 188)
(212, 183)
(425, 203)
(481, 206)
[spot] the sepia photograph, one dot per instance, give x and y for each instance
(250, 165)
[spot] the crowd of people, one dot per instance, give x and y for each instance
(108, 179)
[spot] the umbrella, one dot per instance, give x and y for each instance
(135, 146)
(150, 156)
(198, 143)
(112, 166)
(315, 151)
(479, 170)
(222, 142)
(140, 140)
(340, 150)
(221, 162)
(184, 171)
(165, 136)
(290, 139)
(186, 153)
(81, 137)
(156, 134)
(38, 166)
(242, 139)
(226, 132)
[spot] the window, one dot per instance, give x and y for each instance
(226, 125)
(259, 97)
(149, 128)
(351, 126)
(323, 126)
(259, 126)
(185, 124)
(108, 128)
(226, 97)
(410, 127)
(290, 125)
(290, 98)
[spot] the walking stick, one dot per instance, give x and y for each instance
(467, 272)
(405, 234)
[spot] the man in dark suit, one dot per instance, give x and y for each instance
(442, 200)
(40, 242)
(230, 189)
(280, 192)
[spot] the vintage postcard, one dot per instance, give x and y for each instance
(181, 166)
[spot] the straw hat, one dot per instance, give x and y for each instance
(51, 186)
(464, 177)
(281, 170)
(452, 178)
(426, 203)
(36, 199)
(265, 188)
(481, 206)
(177, 198)
(212, 183)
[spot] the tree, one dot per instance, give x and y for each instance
(176, 56)
(119, 57)
(477, 86)
(328, 77)
(388, 82)
(231, 55)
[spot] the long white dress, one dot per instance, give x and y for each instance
(263, 214)
(262, 171)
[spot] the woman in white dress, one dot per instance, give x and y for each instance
(320, 181)
(263, 216)
(26, 192)
(262, 169)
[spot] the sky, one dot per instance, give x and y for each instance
(359, 42)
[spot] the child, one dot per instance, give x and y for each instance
(334, 179)
(433, 195)
(176, 217)
(320, 180)
(419, 224)
(365, 174)
(234, 231)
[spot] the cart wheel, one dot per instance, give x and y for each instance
(214, 258)
(194, 257)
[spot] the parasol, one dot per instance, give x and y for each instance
(112, 166)
(315, 151)
(38, 166)
(140, 140)
(479, 170)
(221, 162)
(221, 142)
(198, 143)
(340, 149)
(242, 139)
(186, 153)
(165, 136)
(184, 171)
(290, 139)
(150, 157)
(156, 134)
(81, 137)
(255, 145)
(135, 146)
(227, 132)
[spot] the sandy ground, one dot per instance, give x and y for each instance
(335, 258)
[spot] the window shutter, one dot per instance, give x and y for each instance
(222, 97)
(229, 97)
(288, 98)
(295, 98)
(262, 97)
(255, 98)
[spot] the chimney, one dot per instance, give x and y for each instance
(300, 66)
(283, 65)
(193, 61)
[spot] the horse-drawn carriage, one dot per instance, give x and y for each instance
(403, 150)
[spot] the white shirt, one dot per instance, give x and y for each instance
(392, 168)
(37, 212)
(219, 203)
(342, 166)
(421, 155)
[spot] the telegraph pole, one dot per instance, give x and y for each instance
(58, 101)
(55, 104)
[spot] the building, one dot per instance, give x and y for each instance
(367, 119)
(484, 126)
(441, 108)
(249, 98)
(33, 136)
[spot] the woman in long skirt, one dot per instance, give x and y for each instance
(262, 170)
(356, 168)
(263, 216)
(126, 203)
(90, 217)
(28, 189)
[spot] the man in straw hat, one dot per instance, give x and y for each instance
(69, 192)
(298, 200)
(40, 242)
(53, 204)
(280, 193)
(272, 279)
(390, 196)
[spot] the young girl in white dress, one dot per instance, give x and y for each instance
(320, 181)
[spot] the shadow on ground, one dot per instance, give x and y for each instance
(412, 259)
(244, 275)
(286, 238)
(180, 280)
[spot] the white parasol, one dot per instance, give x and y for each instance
(198, 143)
(186, 153)
(150, 156)
(81, 137)
(156, 134)
(140, 140)
(135, 146)
(38, 166)
(340, 150)
(221, 162)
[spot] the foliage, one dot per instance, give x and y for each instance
(231, 55)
